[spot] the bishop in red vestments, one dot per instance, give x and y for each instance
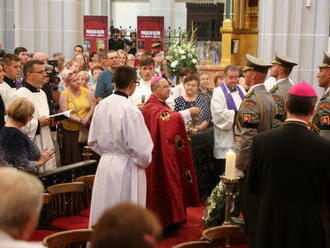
(171, 177)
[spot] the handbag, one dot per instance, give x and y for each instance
(83, 131)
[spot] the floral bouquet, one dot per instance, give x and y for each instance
(182, 54)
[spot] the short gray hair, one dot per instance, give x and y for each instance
(20, 197)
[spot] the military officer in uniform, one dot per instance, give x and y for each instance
(281, 69)
(322, 115)
(254, 116)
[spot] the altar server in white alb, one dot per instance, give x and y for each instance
(225, 103)
(143, 90)
(38, 128)
(119, 134)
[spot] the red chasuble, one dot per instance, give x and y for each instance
(171, 177)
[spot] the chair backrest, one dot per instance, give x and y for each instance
(46, 210)
(67, 198)
(194, 244)
(88, 181)
(67, 239)
(225, 235)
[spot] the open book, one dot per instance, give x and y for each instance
(61, 116)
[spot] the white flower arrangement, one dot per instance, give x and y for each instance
(182, 54)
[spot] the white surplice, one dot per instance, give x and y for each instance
(44, 138)
(119, 134)
(223, 120)
(7, 93)
(141, 93)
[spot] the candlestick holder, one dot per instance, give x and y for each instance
(87, 153)
(231, 185)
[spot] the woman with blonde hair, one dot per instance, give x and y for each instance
(80, 101)
(122, 57)
(81, 61)
(16, 148)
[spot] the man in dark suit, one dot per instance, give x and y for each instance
(281, 69)
(289, 171)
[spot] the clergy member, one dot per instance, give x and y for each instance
(119, 134)
(171, 176)
(38, 128)
(225, 103)
(289, 171)
(143, 90)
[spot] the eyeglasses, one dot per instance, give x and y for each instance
(43, 71)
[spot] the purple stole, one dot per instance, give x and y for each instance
(229, 98)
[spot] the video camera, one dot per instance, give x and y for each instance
(52, 73)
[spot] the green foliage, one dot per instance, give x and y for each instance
(182, 53)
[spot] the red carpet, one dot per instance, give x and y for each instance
(190, 231)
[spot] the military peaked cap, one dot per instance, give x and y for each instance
(256, 64)
(283, 60)
(326, 61)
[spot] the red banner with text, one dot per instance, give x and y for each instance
(150, 33)
(95, 33)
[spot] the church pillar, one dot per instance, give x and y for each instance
(298, 29)
(7, 24)
(72, 26)
(242, 11)
(227, 34)
(48, 26)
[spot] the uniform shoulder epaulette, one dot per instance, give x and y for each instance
(275, 87)
(249, 94)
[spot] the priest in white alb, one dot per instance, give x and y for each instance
(225, 103)
(38, 128)
(119, 134)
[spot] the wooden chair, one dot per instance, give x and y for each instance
(67, 201)
(225, 236)
(41, 232)
(68, 239)
(194, 244)
(88, 181)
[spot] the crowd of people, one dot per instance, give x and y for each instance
(137, 118)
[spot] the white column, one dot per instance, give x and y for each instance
(99, 7)
(301, 32)
(2, 22)
(72, 26)
(56, 23)
(26, 16)
(87, 7)
(48, 26)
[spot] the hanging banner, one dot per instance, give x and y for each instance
(150, 33)
(95, 33)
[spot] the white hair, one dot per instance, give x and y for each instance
(20, 197)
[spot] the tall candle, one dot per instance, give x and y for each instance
(230, 171)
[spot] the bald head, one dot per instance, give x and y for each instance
(161, 89)
(40, 56)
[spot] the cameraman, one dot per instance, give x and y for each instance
(49, 87)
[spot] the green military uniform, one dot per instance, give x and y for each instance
(280, 90)
(255, 115)
(322, 115)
